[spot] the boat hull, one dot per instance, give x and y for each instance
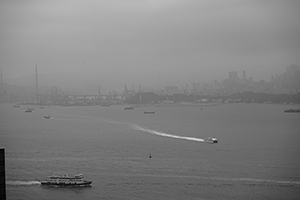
(149, 112)
(292, 111)
(70, 184)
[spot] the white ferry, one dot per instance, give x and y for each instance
(77, 180)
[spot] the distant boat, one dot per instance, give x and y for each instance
(129, 108)
(149, 112)
(292, 110)
(105, 104)
(47, 117)
(16, 106)
(211, 140)
(77, 180)
(29, 110)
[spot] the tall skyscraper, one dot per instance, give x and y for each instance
(244, 75)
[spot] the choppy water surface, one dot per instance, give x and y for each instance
(257, 156)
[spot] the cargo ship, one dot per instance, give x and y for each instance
(77, 180)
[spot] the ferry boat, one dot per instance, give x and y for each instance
(77, 180)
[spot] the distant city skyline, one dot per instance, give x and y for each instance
(242, 79)
(286, 83)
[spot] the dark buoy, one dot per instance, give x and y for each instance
(150, 156)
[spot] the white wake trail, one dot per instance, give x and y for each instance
(22, 183)
(139, 128)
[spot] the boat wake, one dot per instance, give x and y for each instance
(139, 128)
(144, 129)
(219, 179)
(22, 183)
(267, 181)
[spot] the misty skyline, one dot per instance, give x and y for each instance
(149, 41)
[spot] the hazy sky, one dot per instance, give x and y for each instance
(146, 41)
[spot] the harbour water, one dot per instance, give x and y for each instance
(257, 156)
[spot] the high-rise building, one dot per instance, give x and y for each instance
(244, 75)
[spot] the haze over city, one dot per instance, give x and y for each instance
(149, 42)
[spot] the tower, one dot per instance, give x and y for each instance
(244, 75)
(1, 78)
(36, 84)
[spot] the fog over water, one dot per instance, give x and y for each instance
(148, 42)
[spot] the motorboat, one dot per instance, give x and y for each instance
(211, 140)
(129, 108)
(47, 117)
(29, 110)
(149, 112)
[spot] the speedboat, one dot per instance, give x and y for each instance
(77, 180)
(211, 140)
(47, 117)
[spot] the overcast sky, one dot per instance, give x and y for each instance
(146, 41)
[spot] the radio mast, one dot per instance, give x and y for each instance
(36, 84)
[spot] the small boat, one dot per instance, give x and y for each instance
(29, 110)
(16, 106)
(77, 180)
(211, 140)
(149, 112)
(129, 108)
(292, 110)
(47, 117)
